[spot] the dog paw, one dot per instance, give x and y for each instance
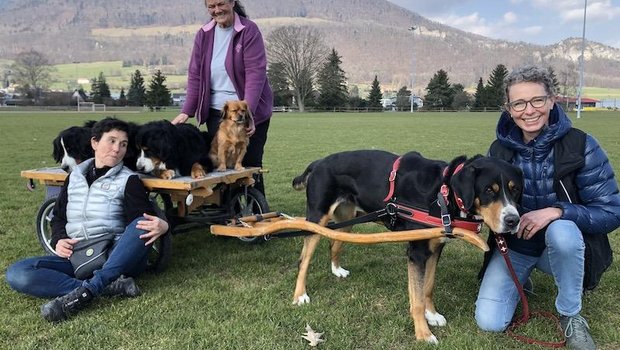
(435, 318)
(198, 172)
(303, 299)
(239, 167)
(339, 271)
(221, 169)
(432, 339)
(167, 174)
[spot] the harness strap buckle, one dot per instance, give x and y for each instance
(392, 175)
(391, 209)
(446, 221)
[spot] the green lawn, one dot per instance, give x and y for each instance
(220, 293)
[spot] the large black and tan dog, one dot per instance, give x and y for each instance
(168, 150)
(340, 185)
(72, 146)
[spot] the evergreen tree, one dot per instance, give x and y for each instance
(495, 87)
(99, 89)
(158, 94)
(461, 98)
(403, 99)
(479, 95)
(136, 96)
(554, 78)
(104, 89)
(375, 95)
(282, 94)
(122, 100)
(440, 93)
(95, 93)
(332, 83)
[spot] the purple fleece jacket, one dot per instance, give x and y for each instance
(246, 64)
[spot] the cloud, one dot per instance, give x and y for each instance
(502, 28)
(571, 11)
(430, 8)
(510, 17)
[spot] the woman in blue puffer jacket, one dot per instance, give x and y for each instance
(550, 235)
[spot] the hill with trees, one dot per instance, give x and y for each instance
(372, 37)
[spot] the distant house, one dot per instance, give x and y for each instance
(570, 103)
(178, 98)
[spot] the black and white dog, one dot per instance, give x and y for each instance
(72, 146)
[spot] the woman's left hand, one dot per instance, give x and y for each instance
(154, 227)
(536, 220)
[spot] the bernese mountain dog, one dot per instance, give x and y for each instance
(72, 146)
(167, 150)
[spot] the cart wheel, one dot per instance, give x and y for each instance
(161, 249)
(245, 202)
(44, 227)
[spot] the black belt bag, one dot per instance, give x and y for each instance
(90, 255)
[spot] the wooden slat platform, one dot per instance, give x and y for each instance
(56, 177)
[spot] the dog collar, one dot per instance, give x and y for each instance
(445, 190)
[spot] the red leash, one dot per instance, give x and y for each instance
(525, 316)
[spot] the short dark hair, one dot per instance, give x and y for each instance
(108, 124)
(530, 74)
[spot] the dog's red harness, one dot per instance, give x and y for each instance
(392, 178)
(423, 217)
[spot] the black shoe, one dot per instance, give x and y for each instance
(62, 307)
(122, 287)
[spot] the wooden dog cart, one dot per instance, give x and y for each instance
(183, 202)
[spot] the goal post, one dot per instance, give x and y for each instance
(85, 106)
(90, 107)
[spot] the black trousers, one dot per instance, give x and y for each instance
(254, 155)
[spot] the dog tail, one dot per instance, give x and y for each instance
(300, 182)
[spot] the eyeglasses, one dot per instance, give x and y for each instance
(521, 105)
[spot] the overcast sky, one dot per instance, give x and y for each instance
(534, 21)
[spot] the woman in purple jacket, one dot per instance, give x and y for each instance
(229, 62)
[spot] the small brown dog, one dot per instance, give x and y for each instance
(231, 140)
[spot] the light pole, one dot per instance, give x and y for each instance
(581, 60)
(412, 30)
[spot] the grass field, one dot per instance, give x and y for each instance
(223, 294)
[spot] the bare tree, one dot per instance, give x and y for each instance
(31, 70)
(567, 79)
(300, 52)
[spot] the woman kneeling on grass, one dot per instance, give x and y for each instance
(99, 197)
(570, 203)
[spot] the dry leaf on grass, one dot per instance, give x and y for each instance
(312, 337)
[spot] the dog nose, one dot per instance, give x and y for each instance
(511, 220)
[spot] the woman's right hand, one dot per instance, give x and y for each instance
(64, 247)
(180, 119)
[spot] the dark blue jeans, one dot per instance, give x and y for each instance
(52, 276)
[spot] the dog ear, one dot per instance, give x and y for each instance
(85, 149)
(463, 185)
(57, 149)
(224, 111)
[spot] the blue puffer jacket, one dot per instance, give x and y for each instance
(599, 209)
